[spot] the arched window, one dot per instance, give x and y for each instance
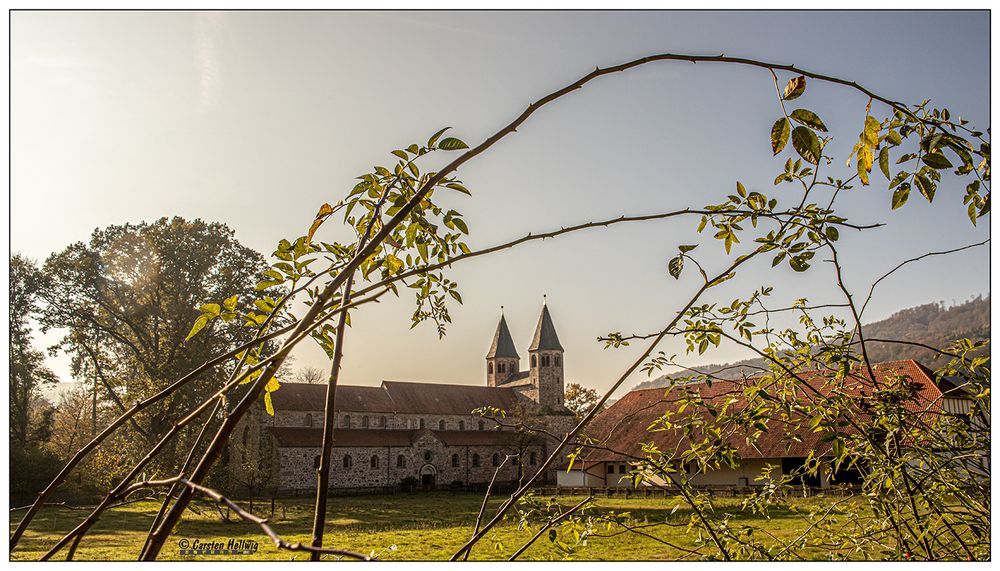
(534, 360)
(475, 460)
(545, 360)
(461, 425)
(489, 368)
(500, 367)
(246, 436)
(531, 459)
(421, 424)
(496, 459)
(442, 425)
(316, 462)
(374, 462)
(557, 360)
(455, 462)
(382, 422)
(428, 455)
(346, 421)
(401, 461)
(364, 422)
(482, 425)
(309, 421)
(348, 462)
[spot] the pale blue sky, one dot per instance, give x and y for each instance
(254, 119)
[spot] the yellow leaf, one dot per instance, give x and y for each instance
(324, 212)
(272, 385)
(267, 404)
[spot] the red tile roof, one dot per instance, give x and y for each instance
(623, 427)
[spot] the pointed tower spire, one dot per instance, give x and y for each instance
(503, 344)
(545, 333)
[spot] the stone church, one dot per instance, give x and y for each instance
(411, 433)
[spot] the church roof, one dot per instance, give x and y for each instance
(503, 345)
(310, 397)
(299, 437)
(545, 334)
(433, 398)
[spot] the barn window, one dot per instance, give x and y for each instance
(455, 461)
(461, 425)
(482, 425)
(489, 368)
(316, 462)
(441, 425)
(534, 360)
(364, 422)
(496, 459)
(428, 455)
(421, 424)
(346, 421)
(374, 462)
(475, 460)
(348, 462)
(401, 461)
(309, 421)
(531, 459)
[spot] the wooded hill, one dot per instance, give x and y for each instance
(931, 324)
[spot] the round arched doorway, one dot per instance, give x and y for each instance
(428, 476)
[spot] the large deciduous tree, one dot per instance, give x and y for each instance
(129, 297)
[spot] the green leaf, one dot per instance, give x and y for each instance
(212, 309)
(685, 248)
(460, 224)
(806, 144)
(452, 144)
(199, 324)
(794, 88)
(926, 187)
(436, 136)
(900, 195)
(779, 134)
(937, 161)
(832, 233)
(230, 303)
(893, 137)
(777, 259)
(401, 154)
(552, 535)
(883, 162)
(809, 119)
(740, 189)
(675, 267)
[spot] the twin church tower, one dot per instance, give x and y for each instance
(543, 382)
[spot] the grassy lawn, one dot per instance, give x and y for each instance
(423, 526)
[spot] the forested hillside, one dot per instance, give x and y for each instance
(931, 324)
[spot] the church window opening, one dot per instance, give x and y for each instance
(364, 422)
(461, 425)
(348, 461)
(401, 461)
(496, 459)
(455, 461)
(346, 421)
(501, 368)
(482, 425)
(441, 425)
(531, 459)
(382, 422)
(534, 360)
(557, 360)
(374, 462)
(309, 421)
(475, 460)
(428, 456)
(421, 424)
(489, 368)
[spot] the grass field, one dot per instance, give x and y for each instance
(422, 526)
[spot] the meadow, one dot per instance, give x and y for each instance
(420, 526)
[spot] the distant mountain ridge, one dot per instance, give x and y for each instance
(931, 324)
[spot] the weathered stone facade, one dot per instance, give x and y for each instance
(419, 433)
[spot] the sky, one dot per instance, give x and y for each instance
(255, 119)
